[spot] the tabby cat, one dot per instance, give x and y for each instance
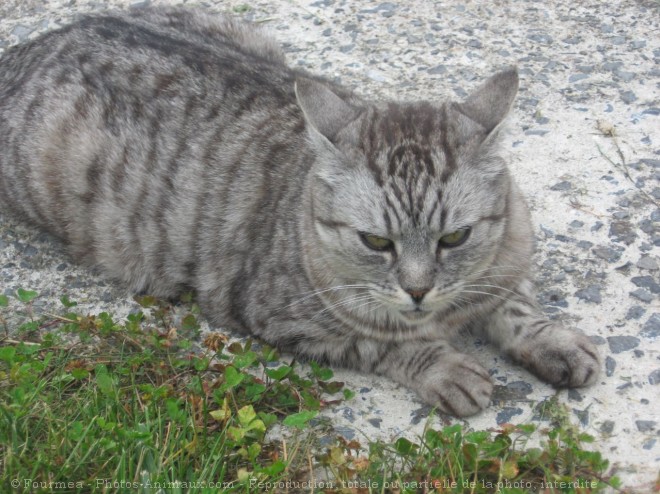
(177, 150)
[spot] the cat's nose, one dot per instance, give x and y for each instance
(417, 294)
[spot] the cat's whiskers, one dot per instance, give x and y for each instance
(313, 293)
(512, 269)
(482, 285)
(478, 292)
(346, 301)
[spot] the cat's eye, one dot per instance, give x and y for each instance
(454, 239)
(375, 242)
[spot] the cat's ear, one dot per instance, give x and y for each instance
(491, 102)
(323, 109)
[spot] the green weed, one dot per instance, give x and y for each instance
(89, 403)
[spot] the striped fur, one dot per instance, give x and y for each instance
(176, 150)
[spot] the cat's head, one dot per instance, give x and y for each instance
(409, 201)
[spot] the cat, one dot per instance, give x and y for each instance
(177, 150)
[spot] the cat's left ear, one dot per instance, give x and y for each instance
(491, 102)
(324, 110)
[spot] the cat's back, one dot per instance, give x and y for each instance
(116, 129)
(144, 42)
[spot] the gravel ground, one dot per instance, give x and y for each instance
(584, 145)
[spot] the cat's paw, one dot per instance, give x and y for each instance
(457, 385)
(563, 358)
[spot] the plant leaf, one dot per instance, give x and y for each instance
(26, 296)
(300, 419)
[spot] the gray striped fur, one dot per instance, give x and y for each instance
(176, 150)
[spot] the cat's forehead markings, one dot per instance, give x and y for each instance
(410, 161)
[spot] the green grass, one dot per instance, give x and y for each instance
(92, 404)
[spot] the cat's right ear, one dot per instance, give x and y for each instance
(490, 103)
(326, 112)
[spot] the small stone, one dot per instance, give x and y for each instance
(642, 294)
(612, 66)
(420, 414)
(438, 69)
(610, 365)
(22, 32)
(628, 96)
(513, 391)
(562, 186)
(583, 416)
(638, 353)
(647, 226)
(646, 282)
(656, 192)
(625, 76)
(624, 268)
(577, 77)
(536, 132)
(620, 344)
(607, 427)
(618, 40)
(30, 251)
(574, 395)
(623, 231)
(348, 414)
(542, 38)
(345, 432)
(654, 377)
(375, 422)
(573, 40)
(554, 298)
(624, 386)
(651, 328)
(649, 443)
(655, 215)
(590, 294)
(327, 440)
(504, 416)
(576, 224)
(647, 263)
(585, 244)
(637, 44)
(635, 312)
(585, 69)
(645, 425)
(597, 226)
(607, 253)
(475, 43)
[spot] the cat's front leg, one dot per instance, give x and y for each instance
(443, 377)
(557, 355)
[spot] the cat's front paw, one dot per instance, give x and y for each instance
(563, 358)
(457, 385)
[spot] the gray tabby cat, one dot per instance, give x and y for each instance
(178, 150)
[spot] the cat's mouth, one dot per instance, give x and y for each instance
(416, 315)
